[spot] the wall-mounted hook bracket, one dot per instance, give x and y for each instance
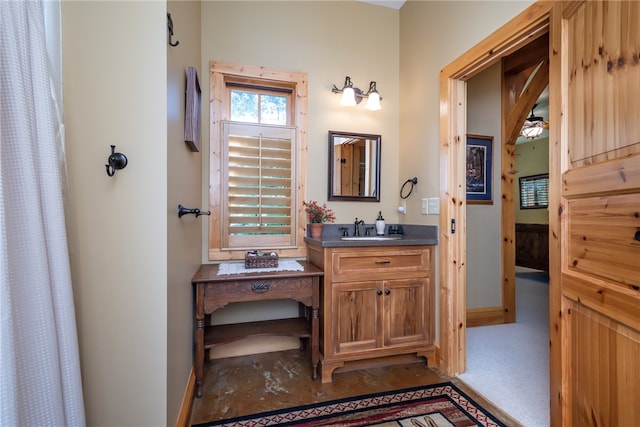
(195, 211)
(170, 27)
(116, 161)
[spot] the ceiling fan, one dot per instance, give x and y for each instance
(534, 125)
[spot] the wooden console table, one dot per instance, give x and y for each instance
(213, 291)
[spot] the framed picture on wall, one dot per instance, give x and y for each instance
(192, 110)
(479, 169)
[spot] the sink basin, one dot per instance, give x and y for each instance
(374, 238)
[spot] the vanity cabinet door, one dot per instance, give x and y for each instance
(405, 311)
(357, 322)
(377, 314)
(377, 302)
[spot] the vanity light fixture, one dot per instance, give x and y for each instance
(533, 125)
(352, 95)
(373, 98)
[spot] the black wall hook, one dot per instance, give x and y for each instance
(116, 161)
(197, 212)
(170, 27)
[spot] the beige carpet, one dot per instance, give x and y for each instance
(509, 364)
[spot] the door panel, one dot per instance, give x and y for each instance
(602, 58)
(357, 314)
(600, 213)
(406, 311)
(603, 361)
(602, 237)
(604, 298)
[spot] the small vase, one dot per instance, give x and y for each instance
(316, 229)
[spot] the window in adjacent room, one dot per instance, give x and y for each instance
(534, 191)
(257, 161)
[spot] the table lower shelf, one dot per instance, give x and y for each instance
(218, 334)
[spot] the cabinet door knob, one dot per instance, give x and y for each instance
(387, 291)
(379, 292)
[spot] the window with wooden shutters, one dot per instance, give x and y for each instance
(259, 160)
(257, 166)
(534, 191)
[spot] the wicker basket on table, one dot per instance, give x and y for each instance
(259, 259)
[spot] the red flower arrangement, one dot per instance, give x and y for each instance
(317, 214)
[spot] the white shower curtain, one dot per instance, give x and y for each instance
(40, 382)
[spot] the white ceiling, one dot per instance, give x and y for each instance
(394, 4)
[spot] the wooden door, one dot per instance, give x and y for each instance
(357, 322)
(405, 311)
(596, 65)
(346, 169)
(350, 158)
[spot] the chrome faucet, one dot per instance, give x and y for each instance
(356, 230)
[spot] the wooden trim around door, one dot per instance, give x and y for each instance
(524, 28)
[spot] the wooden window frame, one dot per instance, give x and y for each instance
(534, 179)
(259, 87)
(220, 72)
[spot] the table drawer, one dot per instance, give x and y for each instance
(220, 294)
(379, 263)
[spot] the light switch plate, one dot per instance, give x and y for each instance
(425, 207)
(434, 206)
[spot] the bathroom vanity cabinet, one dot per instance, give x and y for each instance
(377, 304)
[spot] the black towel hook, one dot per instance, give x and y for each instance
(170, 27)
(116, 161)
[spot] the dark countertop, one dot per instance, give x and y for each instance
(413, 235)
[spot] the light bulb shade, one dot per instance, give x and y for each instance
(348, 97)
(533, 125)
(532, 130)
(373, 102)
(352, 96)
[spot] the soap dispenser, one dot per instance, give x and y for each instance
(380, 224)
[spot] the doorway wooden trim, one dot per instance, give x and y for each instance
(525, 75)
(527, 26)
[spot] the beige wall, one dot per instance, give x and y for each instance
(323, 40)
(433, 34)
(184, 177)
(484, 222)
(532, 158)
(326, 40)
(114, 68)
(121, 83)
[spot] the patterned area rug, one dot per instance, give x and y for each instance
(430, 406)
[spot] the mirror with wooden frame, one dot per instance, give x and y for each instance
(354, 166)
